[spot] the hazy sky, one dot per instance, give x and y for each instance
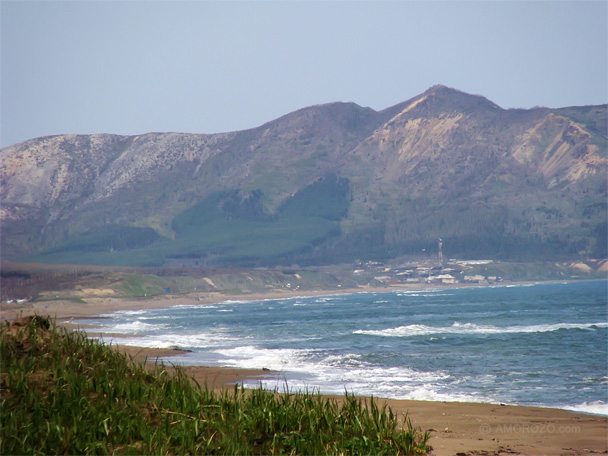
(211, 66)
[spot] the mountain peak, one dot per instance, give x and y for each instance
(458, 99)
(439, 100)
(438, 87)
(443, 164)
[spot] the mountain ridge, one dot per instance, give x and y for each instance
(441, 164)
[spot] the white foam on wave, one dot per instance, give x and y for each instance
(193, 306)
(426, 393)
(397, 383)
(422, 291)
(593, 380)
(278, 359)
(134, 327)
(337, 373)
(251, 357)
(350, 367)
(392, 383)
(347, 359)
(471, 328)
(160, 317)
(122, 313)
(336, 369)
(146, 342)
(382, 377)
(184, 341)
(131, 312)
(595, 408)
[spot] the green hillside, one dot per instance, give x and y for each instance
(231, 226)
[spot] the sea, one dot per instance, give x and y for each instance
(543, 344)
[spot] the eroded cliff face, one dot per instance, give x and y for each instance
(444, 163)
(559, 149)
(55, 171)
(447, 162)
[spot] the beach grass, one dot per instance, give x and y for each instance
(62, 393)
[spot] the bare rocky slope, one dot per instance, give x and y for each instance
(324, 184)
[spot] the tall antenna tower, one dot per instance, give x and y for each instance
(440, 255)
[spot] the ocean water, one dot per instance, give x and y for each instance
(542, 345)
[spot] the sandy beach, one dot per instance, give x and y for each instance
(457, 428)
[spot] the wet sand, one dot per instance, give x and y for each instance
(457, 428)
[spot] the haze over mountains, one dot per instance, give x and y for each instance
(324, 184)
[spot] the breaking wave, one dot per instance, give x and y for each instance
(471, 328)
(596, 408)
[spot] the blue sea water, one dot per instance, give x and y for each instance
(541, 344)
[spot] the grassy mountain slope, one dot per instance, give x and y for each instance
(232, 226)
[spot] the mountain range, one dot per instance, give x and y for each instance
(325, 184)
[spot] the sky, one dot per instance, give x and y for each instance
(132, 67)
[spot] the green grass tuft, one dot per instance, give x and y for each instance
(62, 393)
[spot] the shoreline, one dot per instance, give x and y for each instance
(457, 427)
(95, 306)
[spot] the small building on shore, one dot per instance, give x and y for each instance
(447, 279)
(474, 278)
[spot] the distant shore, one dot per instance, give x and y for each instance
(95, 305)
(468, 428)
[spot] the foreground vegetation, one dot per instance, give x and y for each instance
(63, 393)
